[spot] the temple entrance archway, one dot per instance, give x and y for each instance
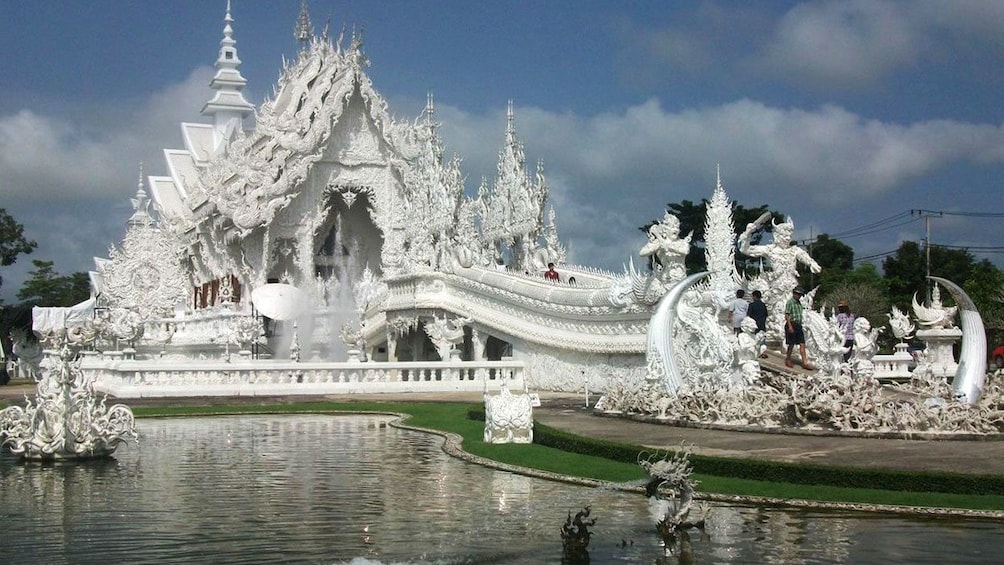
(347, 241)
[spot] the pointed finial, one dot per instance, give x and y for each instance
(228, 107)
(357, 39)
(303, 31)
(327, 26)
(430, 107)
(140, 203)
(511, 118)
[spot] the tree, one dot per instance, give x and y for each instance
(905, 271)
(985, 287)
(837, 260)
(12, 240)
(48, 288)
(692, 217)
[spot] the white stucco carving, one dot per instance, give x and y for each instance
(65, 419)
(935, 315)
(783, 259)
(899, 322)
(145, 273)
(508, 417)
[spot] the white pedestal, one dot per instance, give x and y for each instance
(938, 357)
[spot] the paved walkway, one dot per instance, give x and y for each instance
(568, 413)
(970, 457)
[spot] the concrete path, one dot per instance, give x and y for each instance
(970, 457)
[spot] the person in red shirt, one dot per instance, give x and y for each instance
(551, 274)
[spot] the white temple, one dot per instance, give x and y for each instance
(393, 279)
(363, 213)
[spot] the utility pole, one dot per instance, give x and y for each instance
(927, 214)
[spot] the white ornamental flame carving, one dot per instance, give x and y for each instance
(66, 420)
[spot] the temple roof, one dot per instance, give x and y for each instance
(261, 171)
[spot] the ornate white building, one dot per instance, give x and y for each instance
(330, 193)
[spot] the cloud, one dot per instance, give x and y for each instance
(842, 43)
(69, 181)
(846, 44)
(40, 157)
(812, 150)
(833, 44)
(49, 159)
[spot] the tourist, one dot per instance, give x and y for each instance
(737, 311)
(793, 332)
(758, 311)
(845, 319)
(551, 274)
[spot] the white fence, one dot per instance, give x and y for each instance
(124, 378)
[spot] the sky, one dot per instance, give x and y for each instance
(844, 115)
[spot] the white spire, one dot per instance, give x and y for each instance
(430, 109)
(140, 204)
(304, 31)
(510, 129)
(228, 106)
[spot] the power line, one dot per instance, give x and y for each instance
(900, 219)
(854, 231)
(974, 214)
(875, 256)
(977, 248)
(889, 223)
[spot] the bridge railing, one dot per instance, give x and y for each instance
(124, 378)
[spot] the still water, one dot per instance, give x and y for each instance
(338, 489)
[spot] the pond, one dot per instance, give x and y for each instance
(338, 489)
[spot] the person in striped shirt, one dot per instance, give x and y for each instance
(793, 332)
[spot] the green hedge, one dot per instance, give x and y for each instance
(804, 474)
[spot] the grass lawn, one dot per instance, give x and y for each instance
(453, 417)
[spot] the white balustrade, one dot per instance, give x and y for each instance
(155, 378)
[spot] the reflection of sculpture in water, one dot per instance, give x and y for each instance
(668, 249)
(784, 258)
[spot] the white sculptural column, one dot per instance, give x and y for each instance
(939, 333)
(939, 356)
